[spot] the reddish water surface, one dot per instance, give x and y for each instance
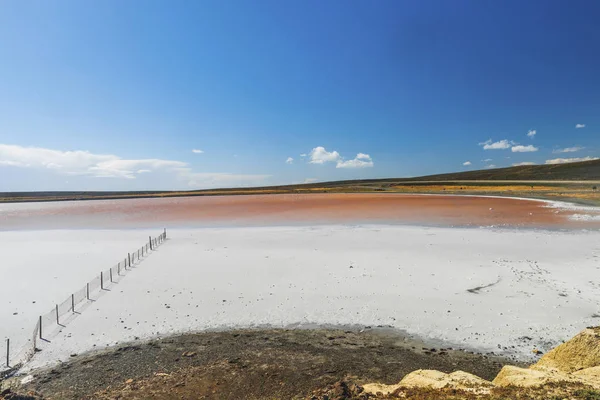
(295, 209)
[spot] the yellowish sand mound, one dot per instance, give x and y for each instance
(427, 378)
(576, 361)
(526, 377)
(583, 351)
(589, 375)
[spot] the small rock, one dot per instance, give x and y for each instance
(128, 381)
(189, 354)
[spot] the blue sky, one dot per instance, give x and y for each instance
(116, 96)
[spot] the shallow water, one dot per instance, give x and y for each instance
(301, 209)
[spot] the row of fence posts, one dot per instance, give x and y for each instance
(153, 243)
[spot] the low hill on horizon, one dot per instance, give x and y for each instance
(574, 172)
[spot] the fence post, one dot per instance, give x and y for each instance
(7, 352)
(57, 322)
(73, 302)
(129, 258)
(40, 326)
(87, 291)
(125, 263)
(150, 240)
(101, 280)
(119, 268)
(165, 233)
(110, 273)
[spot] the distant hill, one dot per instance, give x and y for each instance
(579, 171)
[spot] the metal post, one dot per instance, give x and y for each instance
(57, 323)
(73, 302)
(101, 280)
(40, 326)
(87, 291)
(7, 352)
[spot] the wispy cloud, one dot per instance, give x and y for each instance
(499, 145)
(289, 160)
(523, 163)
(570, 160)
(487, 160)
(531, 133)
(85, 163)
(467, 163)
(490, 166)
(303, 155)
(524, 149)
(197, 151)
(579, 126)
(310, 180)
(568, 149)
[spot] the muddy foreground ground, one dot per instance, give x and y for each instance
(251, 364)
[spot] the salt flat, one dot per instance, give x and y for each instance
(507, 291)
(42, 268)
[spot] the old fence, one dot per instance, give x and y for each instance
(49, 323)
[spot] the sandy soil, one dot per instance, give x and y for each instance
(250, 364)
(295, 209)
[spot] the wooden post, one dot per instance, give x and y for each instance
(165, 233)
(87, 291)
(110, 273)
(101, 280)
(7, 352)
(129, 258)
(57, 323)
(119, 268)
(125, 263)
(40, 326)
(150, 240)
(73, 302)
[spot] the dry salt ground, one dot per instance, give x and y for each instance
(508, 291)
(39, 269)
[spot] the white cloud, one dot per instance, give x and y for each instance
(531, 133)
(487, 160)
(568, 149)
(84, 163)
(467, 163)
(361, 161)
(523, 163)
(197, 151)
(319, 155)
(303, 155)
(310, 180)
(580, 126)
(570, 160)
(289, 160)
(524, 149)
(499, 145)
(490, 166)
